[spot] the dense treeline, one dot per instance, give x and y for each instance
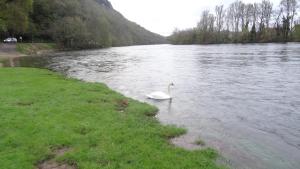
(244, 23)
(71, 23)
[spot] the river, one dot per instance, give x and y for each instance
(242, 100)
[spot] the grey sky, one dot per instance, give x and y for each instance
(163, 16)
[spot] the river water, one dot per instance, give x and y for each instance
(242, 100)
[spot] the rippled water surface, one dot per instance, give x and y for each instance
(243, 100)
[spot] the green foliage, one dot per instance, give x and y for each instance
(17, 21)
(2, 25)
(297, 33)
(14, 16)
(41, 111)
(70, 32)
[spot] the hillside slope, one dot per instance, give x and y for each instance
(72, 24)
(130, 33)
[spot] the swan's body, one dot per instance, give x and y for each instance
(160, 95)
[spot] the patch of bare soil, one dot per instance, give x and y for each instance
(52, 164)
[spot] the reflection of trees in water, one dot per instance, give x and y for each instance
(284, 54)
(26, 61)
(11, 62)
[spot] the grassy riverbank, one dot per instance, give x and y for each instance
(35, 48)
(42, 112)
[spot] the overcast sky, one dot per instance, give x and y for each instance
(163, 16)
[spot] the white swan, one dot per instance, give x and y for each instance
(161, 95)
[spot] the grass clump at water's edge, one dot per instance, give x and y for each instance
(41, 111)
(35, 48)
(200, 142)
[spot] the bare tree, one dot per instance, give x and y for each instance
(220, 14)
(229, 19)
(242, 12)
(255, 12)
(289, 8)
(267, 6)
(236, 9)
(211, 22)
(277, 16)
(204, 21)
(264, 13)
(248, 15)
(295, 7)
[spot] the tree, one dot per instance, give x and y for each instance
(297, 33)
(253, 33)
(285, 28)
(267, 7)
(289, 10)
(16, 15)
(203, 24)
(229, 19)
(247, 16)
(71, 32)
(264, 13)
(205, 28)
(220, 13)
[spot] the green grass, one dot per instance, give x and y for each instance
(34, 48)
(41, 111)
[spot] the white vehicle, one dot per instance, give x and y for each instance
(10, 40)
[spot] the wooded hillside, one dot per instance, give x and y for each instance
(71, 23)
